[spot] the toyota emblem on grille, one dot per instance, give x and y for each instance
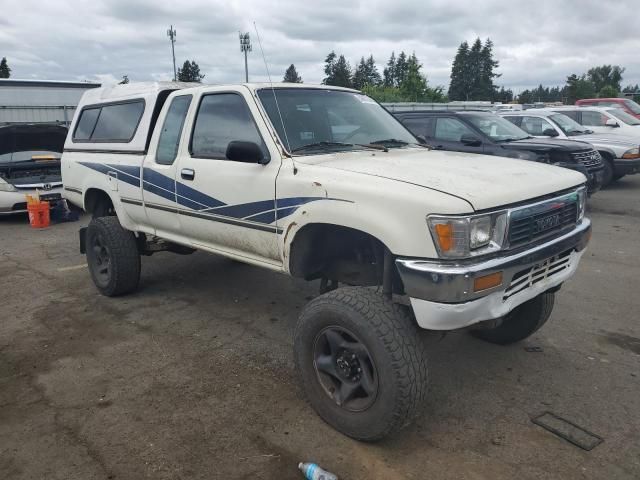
(547, 222)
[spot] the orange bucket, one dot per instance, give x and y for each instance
(39, 214)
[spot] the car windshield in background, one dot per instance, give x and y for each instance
(633, 106)
(29, 156)
(569, 126)
(624, 116)
(497, 128)
(330, 120)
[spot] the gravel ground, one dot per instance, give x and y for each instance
(192, 376)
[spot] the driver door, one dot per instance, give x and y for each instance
(223, 205)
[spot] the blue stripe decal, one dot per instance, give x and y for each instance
(263, 211)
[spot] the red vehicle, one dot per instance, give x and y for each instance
(626, 104)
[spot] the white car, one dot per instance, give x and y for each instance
(621, 155)
(30, 164)
(613, 121)
(322, 183)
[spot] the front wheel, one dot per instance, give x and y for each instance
(520, 323)
(112, 257)
(361, 361)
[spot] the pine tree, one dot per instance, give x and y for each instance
(190, 72)
(458, 82)
(474, 71)
(487, 74)
(373, 75)
(5, 71)
(360, 75)
(401, 69)
(329, 67)
(389, 72)
(338, 72)
(291, 75)
(414, 83)
(342, 76)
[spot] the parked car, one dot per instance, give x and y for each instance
(30, 164)
(626, 104)
(621, 155)
(321, 182)
(489, 134)
(613, 121)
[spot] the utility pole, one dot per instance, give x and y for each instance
(171, 33)
(245, 46)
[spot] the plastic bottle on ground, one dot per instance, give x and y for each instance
(312, 471)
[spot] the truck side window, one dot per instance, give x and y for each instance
(118, 123)
(420, 126)
(593, 119)
(535, 125)
(172, 130)
(86, 124)
(223, 118)
(451, 129)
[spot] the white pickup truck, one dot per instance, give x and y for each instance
(322, 183)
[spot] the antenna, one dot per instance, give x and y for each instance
(275, 97)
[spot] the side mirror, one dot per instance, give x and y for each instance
(470, 140)
(246, 152)
(550, 132)
(422, 139)
(611, 123)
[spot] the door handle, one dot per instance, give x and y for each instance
(188, 173)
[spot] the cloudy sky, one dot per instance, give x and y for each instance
(536, 42)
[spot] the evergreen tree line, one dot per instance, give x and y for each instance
(604, 81)
(401, 81)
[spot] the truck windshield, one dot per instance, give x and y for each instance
(497, 128)
(315, 120)
(624, 116)
(568, 125)
(633, 106)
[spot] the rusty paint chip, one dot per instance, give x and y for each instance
(568, 431)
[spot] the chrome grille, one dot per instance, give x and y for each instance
(527, 229)
(590, 159)
(532, 275)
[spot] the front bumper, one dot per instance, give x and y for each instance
(16, 202)
(626, 167)
(442, 294)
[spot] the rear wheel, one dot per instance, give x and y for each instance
(112, 256)
(361, 361)
(520, 323)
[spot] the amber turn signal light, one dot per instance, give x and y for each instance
(487, 281)
(445, 236)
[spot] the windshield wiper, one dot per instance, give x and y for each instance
(320, 145)
(393, 141)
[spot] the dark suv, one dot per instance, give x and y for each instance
(488, 134)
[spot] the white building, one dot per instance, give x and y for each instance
(40, 101)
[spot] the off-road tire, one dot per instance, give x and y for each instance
(121, 249)
(521, 323)
(393, 341)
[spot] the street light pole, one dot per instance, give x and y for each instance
(171, 33)
(245, 46)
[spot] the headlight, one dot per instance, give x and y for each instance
(632, 153)
(7, 187)
(582, 202)
(459, 237)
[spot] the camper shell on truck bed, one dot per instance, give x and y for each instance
(322, 183)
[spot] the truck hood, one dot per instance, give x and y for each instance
(483, 181)
(546, 145)
(609, 140)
